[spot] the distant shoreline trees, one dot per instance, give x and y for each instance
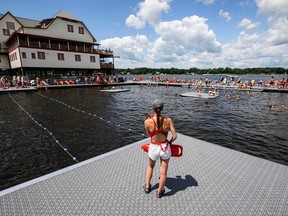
(227, 70)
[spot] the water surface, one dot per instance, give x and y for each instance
(102, 122)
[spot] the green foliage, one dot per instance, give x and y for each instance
(227, 70)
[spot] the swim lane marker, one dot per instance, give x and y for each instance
(44, 128)
(84, 112)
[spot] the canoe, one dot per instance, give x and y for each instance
(197, 95)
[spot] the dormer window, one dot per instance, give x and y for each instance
(10, 25)
(70, 28)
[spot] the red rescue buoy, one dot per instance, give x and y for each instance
(176, 150)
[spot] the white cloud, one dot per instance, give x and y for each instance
(252, 50)
(248, 50)
(191, 33)
(248, 24)
(278, 31)
(225, 15)
(149, 11)
(133, 21)
(189, 42)
(272, 6)
(179, 41)
(206, 2)
(128, 47)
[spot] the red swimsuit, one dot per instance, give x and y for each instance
(159, 131)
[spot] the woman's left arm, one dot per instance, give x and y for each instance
(173, 131)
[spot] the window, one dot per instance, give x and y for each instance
(92, 59)
(77, 58)
(23, 55)
(41, 55)
(10, 25)
(6, 32)
(70, 28)
(60, 56)
(81, 30)
(33, 55)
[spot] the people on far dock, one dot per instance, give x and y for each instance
(206, 81)
(4, 83)
(198, 90)
(157, 128)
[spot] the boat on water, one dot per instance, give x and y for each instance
(198, 95)
(114, 90)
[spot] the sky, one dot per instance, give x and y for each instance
(177, 33)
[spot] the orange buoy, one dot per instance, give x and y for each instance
(176, 150)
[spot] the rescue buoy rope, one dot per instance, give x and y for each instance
(44, 128)
(87, 113)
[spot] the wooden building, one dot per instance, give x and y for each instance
(57, 46)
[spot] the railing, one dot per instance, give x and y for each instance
(104, 52)
(107, 66)
(3, 50)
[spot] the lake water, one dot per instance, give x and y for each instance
(44, 131)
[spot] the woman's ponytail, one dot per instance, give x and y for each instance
(158, 113)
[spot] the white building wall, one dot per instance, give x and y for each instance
(14, 59)
(51, 59)
(59, 29)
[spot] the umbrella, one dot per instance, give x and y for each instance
(99, 73)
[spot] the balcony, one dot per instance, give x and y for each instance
(104, 53)
(106, 66)
(3, 50)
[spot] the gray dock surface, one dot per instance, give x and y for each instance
(207, 180)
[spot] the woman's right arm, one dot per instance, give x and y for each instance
(146, 127)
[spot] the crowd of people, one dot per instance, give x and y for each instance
(227, 81)
(24, 82)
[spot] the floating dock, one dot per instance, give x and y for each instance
(207, 180)
(144, 82)
(14, 89)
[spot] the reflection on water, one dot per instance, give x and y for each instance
(28, 151)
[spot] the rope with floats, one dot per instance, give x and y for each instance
(44, 128)
(87, 113)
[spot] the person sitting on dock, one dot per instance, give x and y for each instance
(198, 90)
(283, 83)
(157, 128)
